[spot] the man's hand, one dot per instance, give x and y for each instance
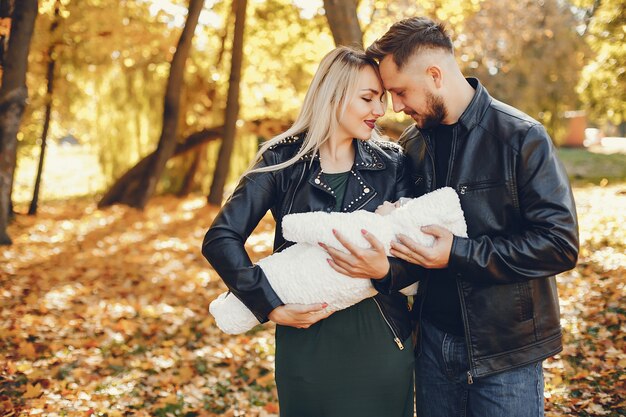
(359, 263)
(436, 257)
(301, 316)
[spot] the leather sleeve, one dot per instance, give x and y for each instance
(548, 241)
(223, 244)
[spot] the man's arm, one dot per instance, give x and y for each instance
(548, 243)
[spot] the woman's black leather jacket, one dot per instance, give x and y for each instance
(377, 176)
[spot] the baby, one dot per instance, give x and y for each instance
(300, 274)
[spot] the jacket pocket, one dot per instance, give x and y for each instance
(525, 301)
(478, 185)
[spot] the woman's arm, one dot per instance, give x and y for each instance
(223, 247)
(223, 244)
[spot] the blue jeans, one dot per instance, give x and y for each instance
(443, 390)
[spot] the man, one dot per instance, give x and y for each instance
(487, 308)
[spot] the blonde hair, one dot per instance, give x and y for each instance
(326, 100)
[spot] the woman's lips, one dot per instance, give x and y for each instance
(370, 123)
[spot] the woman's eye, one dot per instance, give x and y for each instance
(366, 99)
(400, 94)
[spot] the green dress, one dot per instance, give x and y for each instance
(347, 365)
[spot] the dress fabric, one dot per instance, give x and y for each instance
(347, 365)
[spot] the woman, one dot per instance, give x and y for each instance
(358, 361)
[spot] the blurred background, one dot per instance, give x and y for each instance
(142, 113)
(560, 61)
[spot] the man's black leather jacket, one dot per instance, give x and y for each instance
(377, 176)
(522, 230)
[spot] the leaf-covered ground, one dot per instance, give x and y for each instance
(104, 313)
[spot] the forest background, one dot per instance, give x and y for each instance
(160, 104)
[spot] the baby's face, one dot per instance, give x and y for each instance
(386, 208)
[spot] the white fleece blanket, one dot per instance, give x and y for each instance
(300, 274)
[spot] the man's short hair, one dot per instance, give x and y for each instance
(409, 36)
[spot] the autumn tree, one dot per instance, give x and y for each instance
(232, 106)
(137, 193)
(207, 103)
(51, 58)
(13, 95)
(5, 27)
(603, 84)
(343, 22)
(528, 54)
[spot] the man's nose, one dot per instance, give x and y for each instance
(397, 104)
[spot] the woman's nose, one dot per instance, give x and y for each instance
(379, 109)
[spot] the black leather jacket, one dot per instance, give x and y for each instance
(522, 229)
(378, 175)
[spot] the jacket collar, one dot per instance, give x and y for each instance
(366, 157)
(476, 108)
(472, 114)
(359, 191)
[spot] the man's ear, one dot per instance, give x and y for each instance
(436, 74)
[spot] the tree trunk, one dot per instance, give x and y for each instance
(13, 95)
(137, 196)
(189, 179)
(343, 22)
(6, 7)
(190, 175)
(232, 107)
(32, 210)
(133, 176)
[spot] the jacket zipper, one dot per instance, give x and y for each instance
(470, 379)
(463, 188)
(291, 203)
(424, 286)
(451, 158)
(395, 335)
(432, 158)
(293, 197)
(366, 201)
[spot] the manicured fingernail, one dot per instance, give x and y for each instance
(364, 231)
(334, 232)
(321, 244)
(324, 305)
(328, 260)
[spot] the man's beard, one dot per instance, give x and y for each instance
(435, 114)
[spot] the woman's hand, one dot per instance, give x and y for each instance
(370, 263)
(301, 316)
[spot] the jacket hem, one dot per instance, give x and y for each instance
(536, 352)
